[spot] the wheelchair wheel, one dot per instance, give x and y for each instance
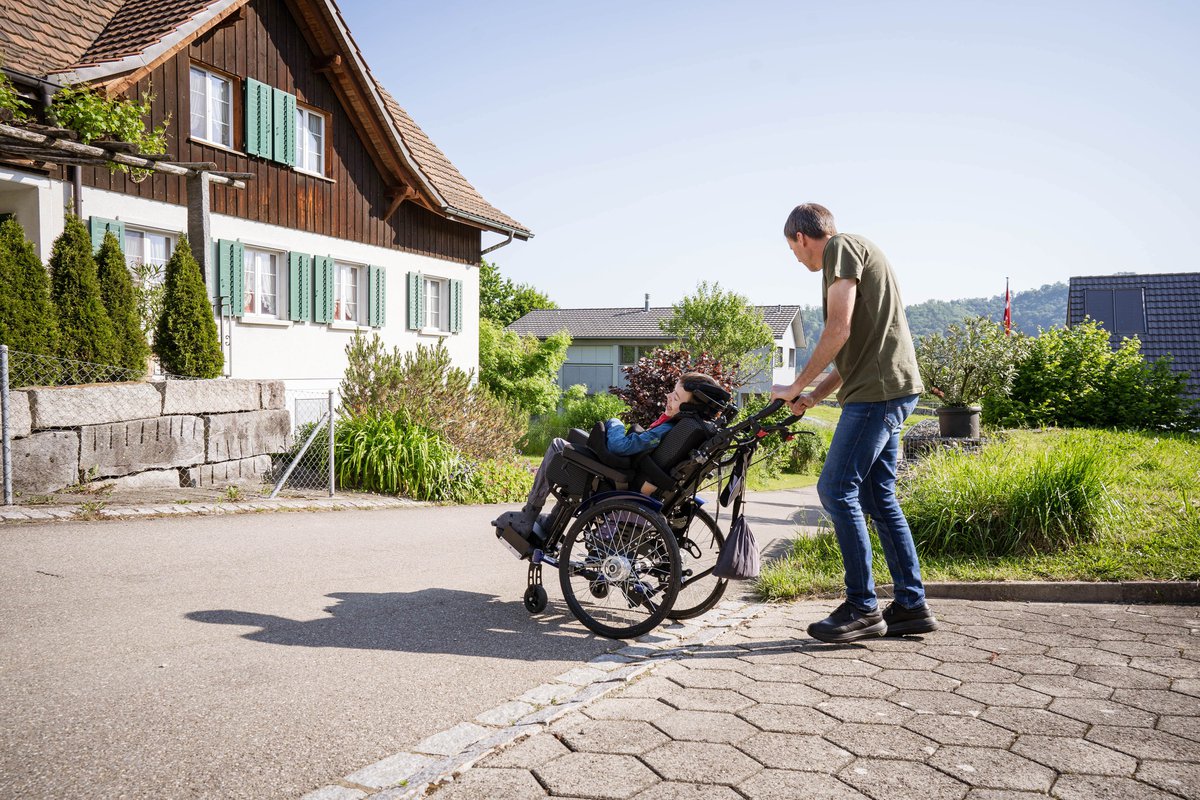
(535, 599)
(619, 569)
(699, 547)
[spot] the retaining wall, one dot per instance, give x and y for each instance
(140, 435)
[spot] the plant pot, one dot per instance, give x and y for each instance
(959, 422)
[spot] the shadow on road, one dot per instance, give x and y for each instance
(427, 621)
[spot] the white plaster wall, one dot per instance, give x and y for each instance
(38, 204)
(308, 356)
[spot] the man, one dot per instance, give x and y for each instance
(866, 337)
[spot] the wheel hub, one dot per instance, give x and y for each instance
(616, 568)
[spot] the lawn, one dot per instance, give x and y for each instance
(1096, 505)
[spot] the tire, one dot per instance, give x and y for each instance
(536, 599)
(699, 594)
(629, 550)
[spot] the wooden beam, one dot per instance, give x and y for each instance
(328, 63)
(397, 195)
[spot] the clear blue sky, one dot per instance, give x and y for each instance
(652, 144)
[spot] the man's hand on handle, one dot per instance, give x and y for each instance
(797, 404)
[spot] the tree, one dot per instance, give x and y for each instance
(649, 381)
(186, 340)
(85, 331)
(521, 369)
(503, 301)
(725, 326)
(116, 291)
(27, 319)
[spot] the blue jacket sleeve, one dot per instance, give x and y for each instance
(629, 444)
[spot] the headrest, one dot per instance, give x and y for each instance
(707, 400)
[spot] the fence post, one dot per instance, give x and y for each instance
(331, 475)
(5, 425)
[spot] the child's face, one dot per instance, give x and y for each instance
(676, 398)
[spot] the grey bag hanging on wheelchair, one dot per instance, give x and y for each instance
(738, 560)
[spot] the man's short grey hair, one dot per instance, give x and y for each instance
(813, 220)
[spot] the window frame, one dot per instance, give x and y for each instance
(233, 83)
(359, 271)
(443, 304)
(777, 360)
(171, 238)
(252, 290)
(303, 112)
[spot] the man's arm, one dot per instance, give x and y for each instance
(840, 305)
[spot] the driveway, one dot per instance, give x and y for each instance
(261, 655)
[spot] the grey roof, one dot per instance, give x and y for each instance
(1172, 305)
(625, 323)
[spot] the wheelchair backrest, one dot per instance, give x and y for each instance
(687, 434)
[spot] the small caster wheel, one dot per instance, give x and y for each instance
(535, 599)
(599, 590)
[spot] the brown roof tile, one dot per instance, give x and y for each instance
(138, 25)
(42, 36)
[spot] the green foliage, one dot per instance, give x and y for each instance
(807, 453)
(149, 292)
(85, 331)
(725, 326)
(27, 319)
(116, 291)
(649, 381)
(94, 116)
(433, 393)
(499, 480)
(186, 340)
(579, 410)
(504, 302)
(389, 454)
(12, 106)
(521, 369)
(972, 360)
(1073, 378)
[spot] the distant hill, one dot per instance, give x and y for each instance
(1037, 308)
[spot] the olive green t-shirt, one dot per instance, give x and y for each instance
(878, 361)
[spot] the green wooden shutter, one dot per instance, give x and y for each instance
(376, 297)
(416, 301)
(283, 126)
(259, 133)
(100, 226)
(456, 306)
(231, 276)
(299, 287)
(322, 310)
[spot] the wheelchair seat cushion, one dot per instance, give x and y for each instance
(598, 444)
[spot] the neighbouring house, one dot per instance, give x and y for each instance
(1162, 310)
(604, 340)
(351, 218)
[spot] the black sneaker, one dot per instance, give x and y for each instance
(903, 621)
(848, 624)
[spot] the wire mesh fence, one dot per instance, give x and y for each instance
(309, 465)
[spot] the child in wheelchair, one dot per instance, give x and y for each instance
(695, 394)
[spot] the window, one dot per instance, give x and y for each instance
(345, 293)
(778, 357)
(433, 304)
(629, 355)
(310, 141)
(146, 253)
(262, 283)
(792, 357)
(212, 107)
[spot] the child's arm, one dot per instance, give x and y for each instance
(621, 443)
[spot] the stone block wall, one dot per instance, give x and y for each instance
(142, 435)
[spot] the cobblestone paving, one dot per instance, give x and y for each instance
(1007, 700)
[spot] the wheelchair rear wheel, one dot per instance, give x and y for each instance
(619, 569)
(699, 547)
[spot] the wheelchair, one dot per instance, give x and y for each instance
(627, 560)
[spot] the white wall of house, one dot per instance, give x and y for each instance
(786, 372)
(307, 355)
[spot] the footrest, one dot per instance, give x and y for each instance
(516, 544)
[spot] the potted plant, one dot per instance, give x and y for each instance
(967, 363)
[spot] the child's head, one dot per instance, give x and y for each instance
(698, 390)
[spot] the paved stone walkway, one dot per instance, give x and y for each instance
(1008, 700)
(100, 509)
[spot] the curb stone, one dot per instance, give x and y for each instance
(418, 772)
(32, 514)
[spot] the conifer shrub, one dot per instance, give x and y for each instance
(116, 291)
(186, 340)
(85, 331)
(27, 318)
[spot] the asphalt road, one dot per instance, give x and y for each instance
(262, 655)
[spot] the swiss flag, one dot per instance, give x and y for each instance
(1007, 310)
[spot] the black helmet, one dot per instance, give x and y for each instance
(708, 400)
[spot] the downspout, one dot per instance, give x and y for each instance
(498, 245)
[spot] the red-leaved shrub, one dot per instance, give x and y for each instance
(652, 378)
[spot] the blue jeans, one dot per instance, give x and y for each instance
(859, 481)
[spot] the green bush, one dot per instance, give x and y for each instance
(521, 370)
(499, 480)
(1073, 378)
(1008, 500)
(807, 453)
(85, 331)
(387, 453)
(578, 410)
(186, 340)
(434, 393)
(116, 291)
(27, 319)
(970, 361)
